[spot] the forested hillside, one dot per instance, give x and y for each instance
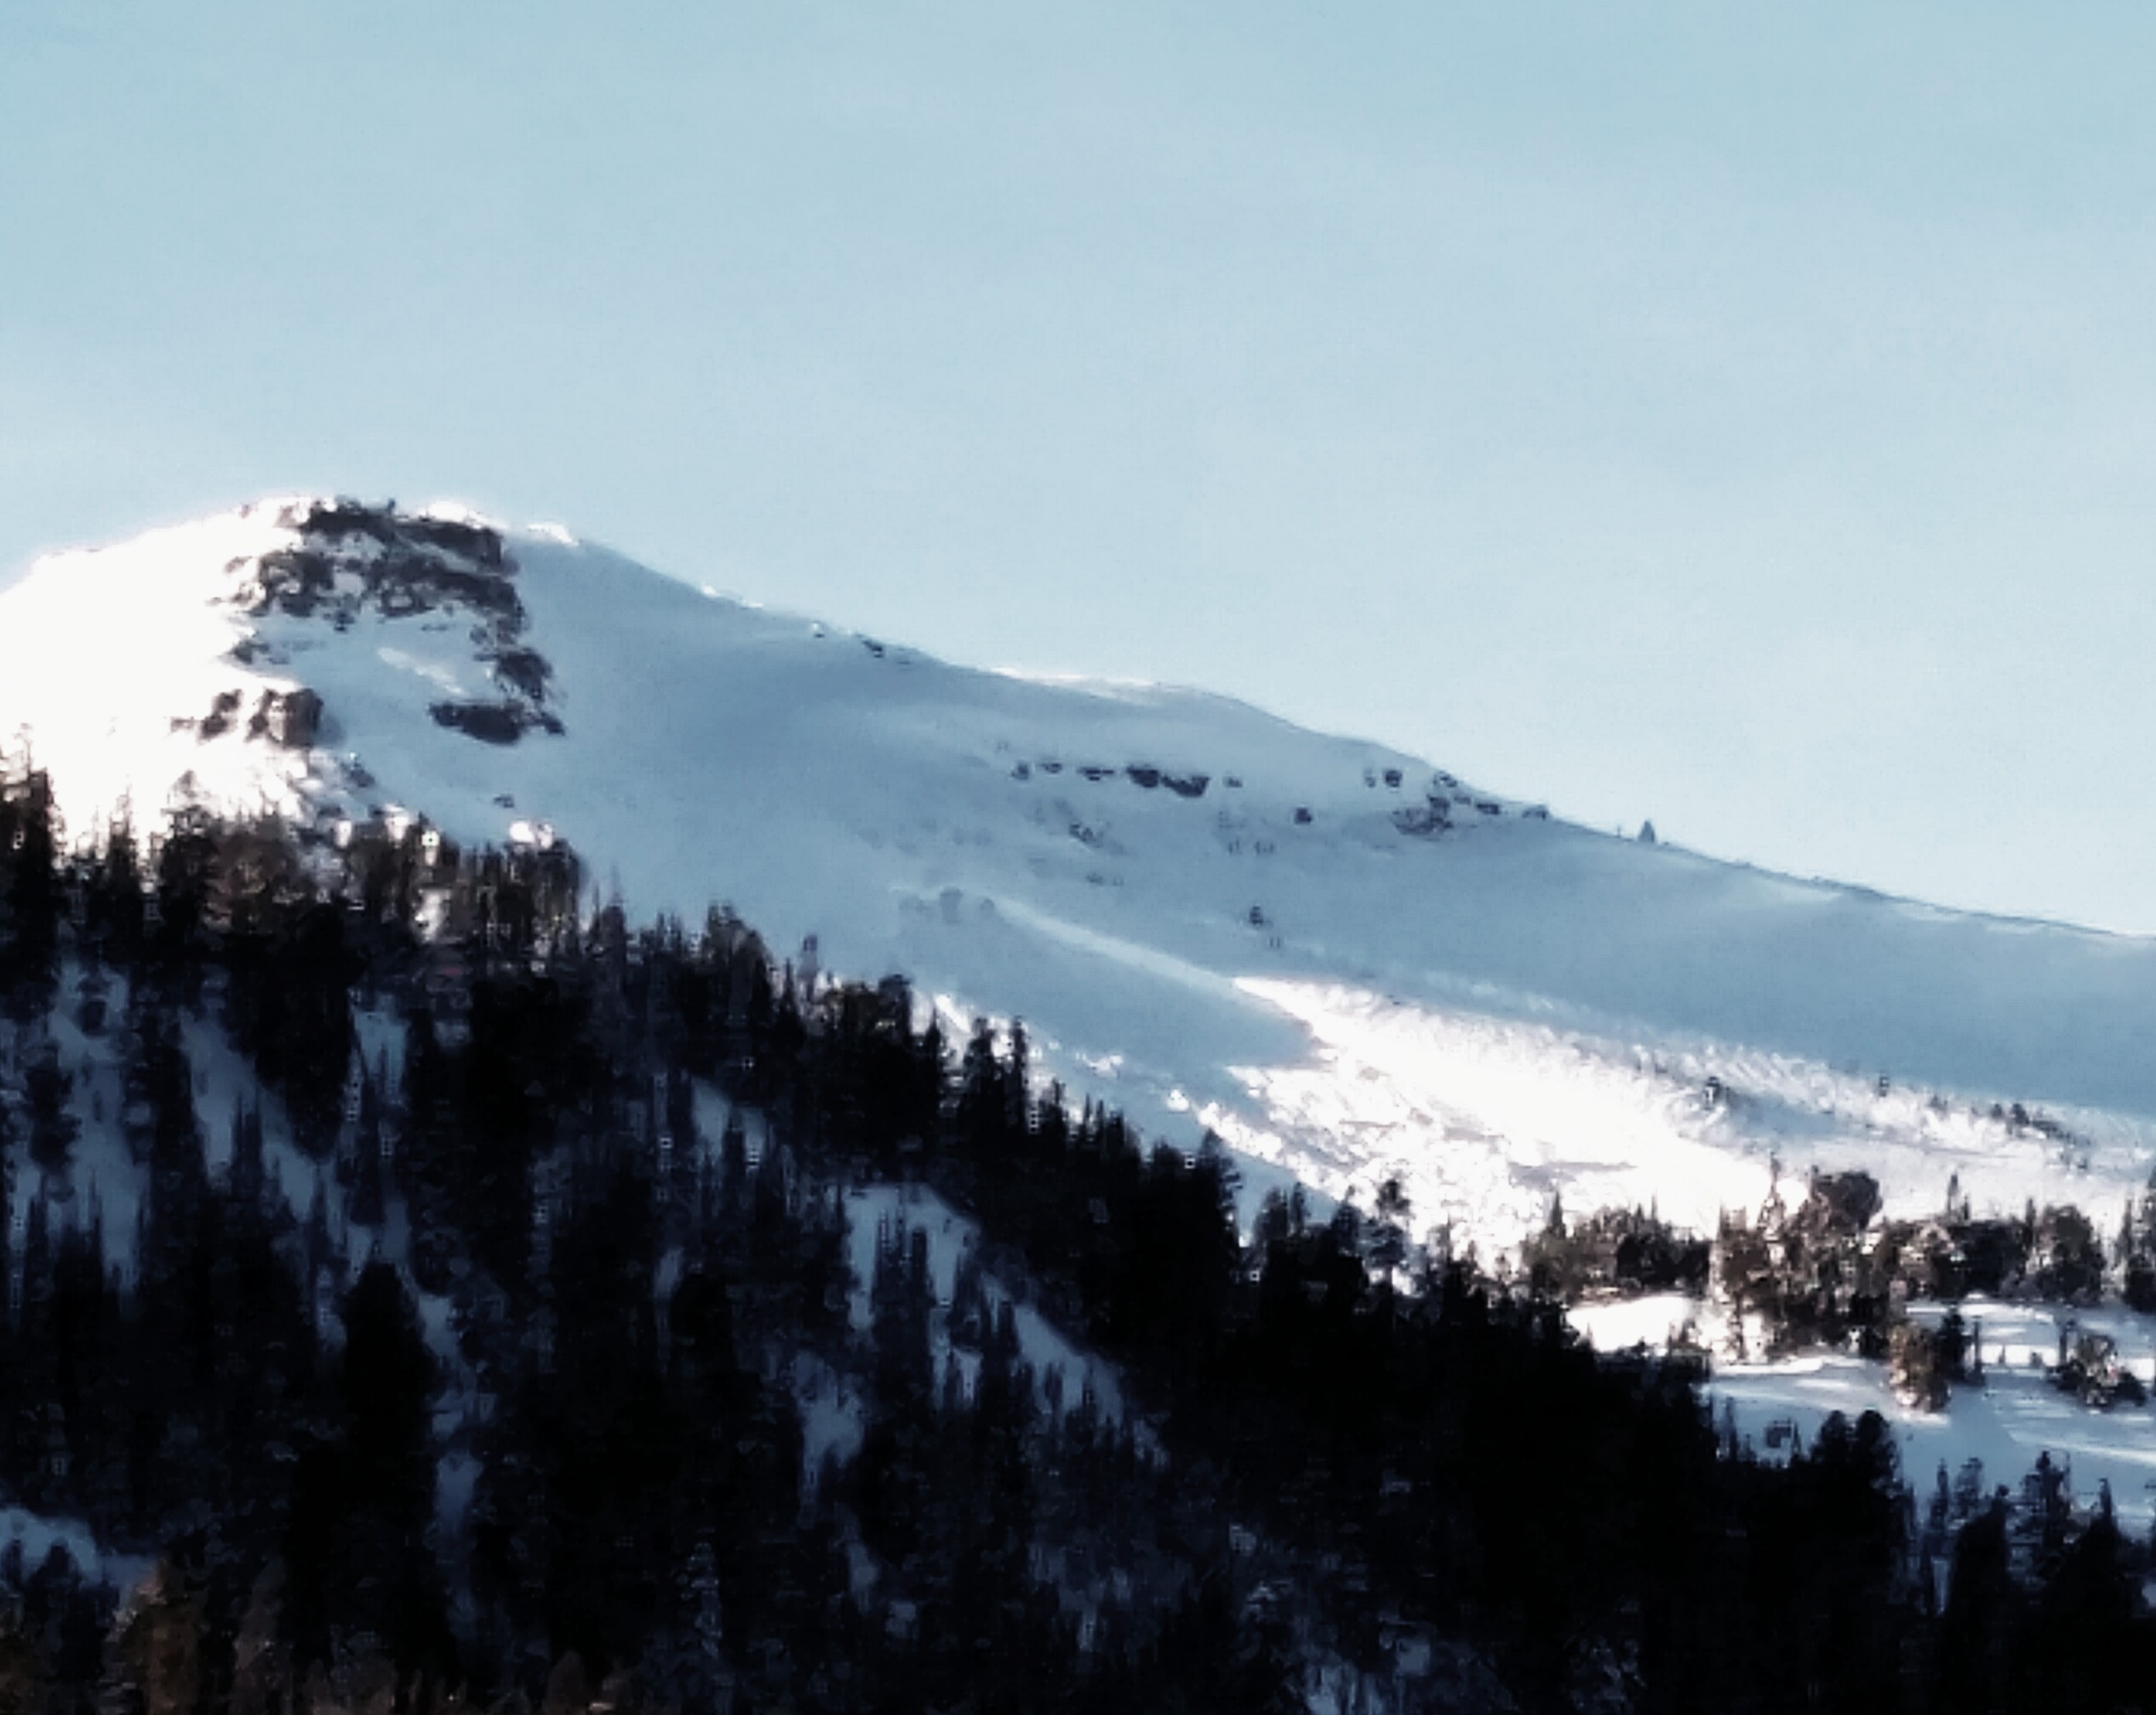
(1350, 962)
(483, 1324)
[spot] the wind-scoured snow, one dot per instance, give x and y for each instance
(1348, 963)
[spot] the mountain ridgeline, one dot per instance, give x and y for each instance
(1350, 962)
(488, 1327)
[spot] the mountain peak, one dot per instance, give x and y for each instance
(1347, 963)
(180, 667)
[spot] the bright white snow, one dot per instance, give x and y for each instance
(1201, 912)
(2014, 1415)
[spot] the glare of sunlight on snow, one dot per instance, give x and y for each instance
(1484, 1120)
(1398, 1015)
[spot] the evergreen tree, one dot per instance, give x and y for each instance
(30, 900)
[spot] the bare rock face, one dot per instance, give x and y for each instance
(290, 718)
(351, 556)
(218, 720)
(1423, 820)
(351, 560)
(501, 722)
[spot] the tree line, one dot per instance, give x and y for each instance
(454, 1361)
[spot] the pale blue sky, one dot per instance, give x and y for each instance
(1744, 420)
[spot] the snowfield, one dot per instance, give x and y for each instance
(1347, 963)
(2005, 1424)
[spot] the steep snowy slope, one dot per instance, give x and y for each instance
(1345, 961)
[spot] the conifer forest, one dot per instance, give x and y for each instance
(486, 1301)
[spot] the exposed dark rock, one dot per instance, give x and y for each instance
(524, 669)
(353, 559)
(1183, 786)
(222, 707)
(1423, 820)
(473, 542)
(291, 718)
(493, 723)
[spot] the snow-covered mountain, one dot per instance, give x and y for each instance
(1345, 961)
